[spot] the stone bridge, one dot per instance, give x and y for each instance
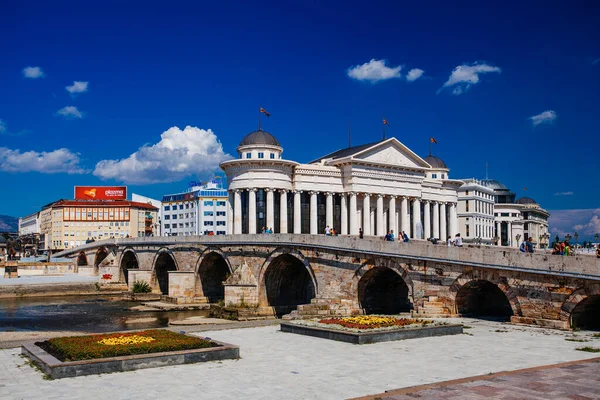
(321, 275)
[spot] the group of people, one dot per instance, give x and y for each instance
(267, 230)
(564, 249)
(330, 231)
(402, 237)
(527, 246)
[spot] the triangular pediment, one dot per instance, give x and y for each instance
(391, 152)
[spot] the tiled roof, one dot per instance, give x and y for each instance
(103, 203)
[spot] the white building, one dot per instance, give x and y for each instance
(514, 220)
(375, 187)
(156, 203)
(29, 225)
(476, 212)
(200, 210)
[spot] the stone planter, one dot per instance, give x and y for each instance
(372, 337)
(57, 369)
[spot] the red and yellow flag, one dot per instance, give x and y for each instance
(262, 110)
(385, 122)
(432, 140)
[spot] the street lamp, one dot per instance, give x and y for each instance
(576, 235)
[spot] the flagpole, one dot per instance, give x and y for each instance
(259, 127)
(430, 143)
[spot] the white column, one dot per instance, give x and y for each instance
(416, 218)
(252, 211)
(283, 217)
(380, 225)
(511, 239)
(499, 233)
(404, 216)
(392, 215)
(436, 222)
(426, 220)
(443, 231)
(353, 215)
(367, 214)
(454, 220)
(313, 213)
(329, 209)
(344, 216)
(237, 214)
(297, 213)
(270, 209)
(229, 213)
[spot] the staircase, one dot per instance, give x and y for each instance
(432, 308)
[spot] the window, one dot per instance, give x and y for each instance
(167, 208)
(467, 193)
(174, 216)
(272, 156)
(167, 217)
(221, 203)
(208, 203)
(208, 223)
(167, 226)
(220, 213)
(181, 206)
(504, 214)
(220, 223)
(248, 155)
(261, 155)
(467, 228)
(208, 213)
(187, 205)
(467, 206)
(434, 176)
(181, 224)
(443, 176)
(220, 232)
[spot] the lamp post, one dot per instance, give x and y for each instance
(567, 237)
(596, 236)
(576, 236)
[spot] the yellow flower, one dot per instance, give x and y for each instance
(124, 340)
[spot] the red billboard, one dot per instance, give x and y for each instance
(100, 192)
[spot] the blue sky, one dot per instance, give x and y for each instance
(112, 77)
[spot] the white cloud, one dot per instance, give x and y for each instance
(563, 194)
(2, 126)
(179, 154)
(547, 117)
(414, 74)
(374, 71)
(77, 87)
(33, 72)
(61, 160)
(586, 222)
(70, 112)
(465, 76)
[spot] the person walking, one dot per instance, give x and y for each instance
(360, 233)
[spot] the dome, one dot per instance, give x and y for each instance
(492, 184)
(259, 137)
(435, 162)
(526, 200)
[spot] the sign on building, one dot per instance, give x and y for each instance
(100, 192)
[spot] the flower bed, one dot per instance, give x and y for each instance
(121, 344)
(363, 322)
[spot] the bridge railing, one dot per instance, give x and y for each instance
(482, 256)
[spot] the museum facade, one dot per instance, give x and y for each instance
(375, 187)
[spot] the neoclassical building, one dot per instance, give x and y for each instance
(375, 187)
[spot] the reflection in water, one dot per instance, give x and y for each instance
(81, 313)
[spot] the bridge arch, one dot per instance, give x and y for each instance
(286, 280)
(101, 254)
(485, 294)
(382, 286)
(129, 260)
(211, 270)
(582, 308)
(164, 261)
(82, 259)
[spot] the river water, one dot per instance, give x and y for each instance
(81, 313)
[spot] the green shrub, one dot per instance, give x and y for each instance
(90, 347)
(141, 287)
(588, 349)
